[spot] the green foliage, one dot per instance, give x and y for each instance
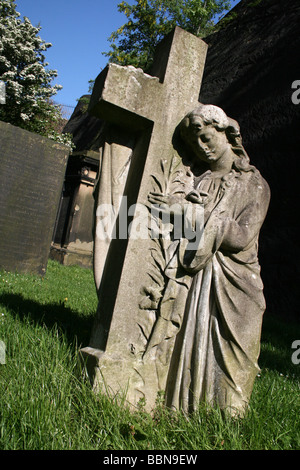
(255, 3)
(225, 21)
(150, 20)
(46, 404)
(23, 69)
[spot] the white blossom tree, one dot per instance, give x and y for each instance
(23, 69)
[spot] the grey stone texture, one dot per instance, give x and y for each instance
(250, 67)
(32, 170)
(176, 315)
(149, 108)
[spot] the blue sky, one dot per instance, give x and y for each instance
(78, 31)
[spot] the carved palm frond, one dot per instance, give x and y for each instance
(169, 182)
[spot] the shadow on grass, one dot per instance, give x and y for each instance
(278, 336)
(75, 327)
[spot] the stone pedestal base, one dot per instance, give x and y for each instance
(120, 379)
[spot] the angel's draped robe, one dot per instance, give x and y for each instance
(213, 303)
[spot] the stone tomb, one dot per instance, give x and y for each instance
(32, 170)
(73, 238)
(143, 111)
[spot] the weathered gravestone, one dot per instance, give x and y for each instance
(32, 170)
(168, 317)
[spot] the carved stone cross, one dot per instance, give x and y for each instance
(148, 107)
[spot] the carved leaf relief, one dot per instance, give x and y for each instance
(174, 180)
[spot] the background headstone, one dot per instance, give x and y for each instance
(32, 170)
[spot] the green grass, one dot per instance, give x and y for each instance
(46, 404)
